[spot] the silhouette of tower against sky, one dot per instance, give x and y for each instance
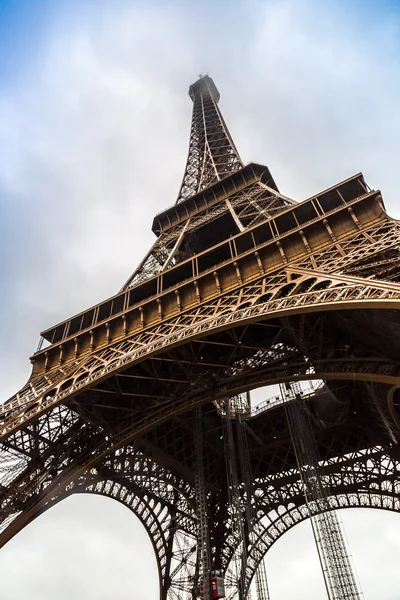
(145, 397)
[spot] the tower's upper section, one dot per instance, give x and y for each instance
(212, 153)
(204, 83)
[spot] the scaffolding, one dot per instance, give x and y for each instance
(262, 591)
(337, 568)
(241, 495)
(202, 591)
(239, 559)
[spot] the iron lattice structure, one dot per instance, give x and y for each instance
(243, 288)
(340, 580)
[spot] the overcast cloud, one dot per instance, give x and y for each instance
(94, 126)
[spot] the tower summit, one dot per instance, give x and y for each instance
(145, 397)
(212, 154)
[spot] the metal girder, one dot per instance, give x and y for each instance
(372, 481)
(242, 288)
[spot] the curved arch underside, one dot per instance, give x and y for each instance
(92, 416)
(277, 360)
(368, 478)
(301, 288)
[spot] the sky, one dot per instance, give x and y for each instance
(94, 128)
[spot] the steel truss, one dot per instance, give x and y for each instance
(242, 288)
(343, 494)
(242, 499)
(337, 569)
(212, 153)
(203, 539)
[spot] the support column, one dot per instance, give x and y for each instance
(262, 591)
(241, 496)
(203, 590)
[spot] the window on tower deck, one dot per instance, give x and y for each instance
(207, 235)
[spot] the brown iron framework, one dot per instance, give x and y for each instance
(243, 288)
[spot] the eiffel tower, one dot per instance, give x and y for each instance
(145, 397)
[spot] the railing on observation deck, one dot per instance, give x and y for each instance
(274, 401)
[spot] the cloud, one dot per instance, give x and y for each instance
(59, 562)
(94, 128)
(293, 565)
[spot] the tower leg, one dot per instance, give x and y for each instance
(202, 590)
(241, 496)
